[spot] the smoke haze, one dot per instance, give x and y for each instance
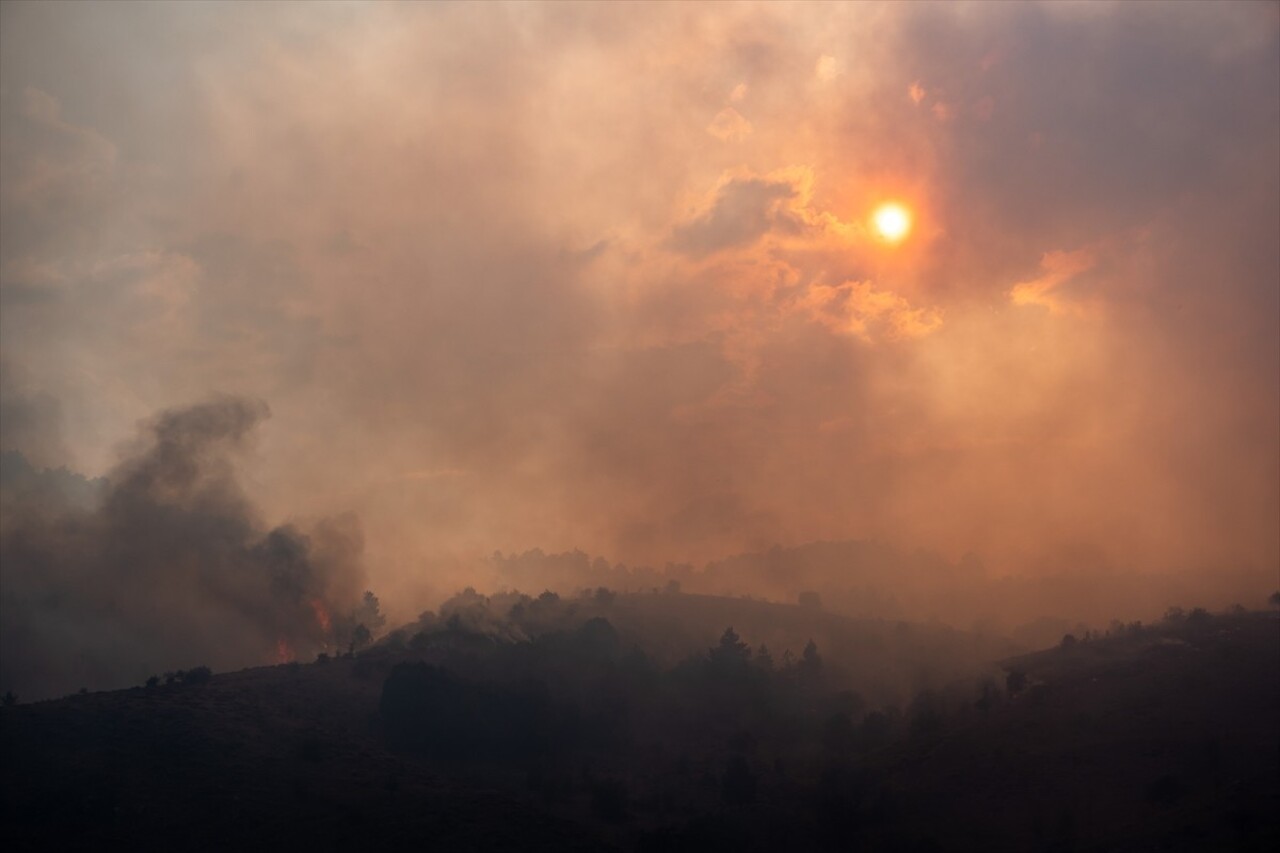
(164, 565)
(600, 277)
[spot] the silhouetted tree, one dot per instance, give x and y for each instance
(598, 638)
(10, 698)
(1015, 682)
(1198, 619)
(988, 693)
(731, 651)
(361, 636)
(369, 613)
(810, 667)
(1274, 600)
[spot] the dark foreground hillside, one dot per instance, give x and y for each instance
(1161, 738)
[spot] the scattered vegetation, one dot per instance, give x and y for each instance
(559, 720)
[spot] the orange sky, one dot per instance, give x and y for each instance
(604, 275)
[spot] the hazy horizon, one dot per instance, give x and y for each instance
(351, 296)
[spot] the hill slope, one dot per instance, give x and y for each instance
(1163, 738)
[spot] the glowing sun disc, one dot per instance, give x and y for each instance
(892, 221)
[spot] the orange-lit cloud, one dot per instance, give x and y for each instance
(1057, 268)
(729, 126)
(857, 308)
(571, 276)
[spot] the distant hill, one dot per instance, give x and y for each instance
(1163, 737)
(885, 660)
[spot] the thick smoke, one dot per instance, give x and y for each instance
(567, 276)
(171, 567)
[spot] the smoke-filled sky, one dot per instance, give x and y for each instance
(605, 275)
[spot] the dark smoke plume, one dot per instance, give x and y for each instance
(172, 566)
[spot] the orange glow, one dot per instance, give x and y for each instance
(322, 614)
(284, 653)
(892, 221)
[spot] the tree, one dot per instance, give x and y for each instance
(1199, 619)
(1274, 600)
(360, 638)
(810, 666)
(1015, 682)
(731, 651)
(369, 613)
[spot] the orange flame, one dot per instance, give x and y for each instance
(322, 615)
(284, 653)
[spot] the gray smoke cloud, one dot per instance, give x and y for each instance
(164, 565)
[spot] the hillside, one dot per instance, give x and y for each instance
(1163, 738)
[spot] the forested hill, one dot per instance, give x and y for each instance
(1163, 737)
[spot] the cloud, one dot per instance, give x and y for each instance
(857, 308)
(743, 210)
(827, 68)
(377, 218)
(1058, 268)
(729, 126)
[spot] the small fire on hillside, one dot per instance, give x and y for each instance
(321, 616)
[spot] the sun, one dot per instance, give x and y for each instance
(892, 221)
